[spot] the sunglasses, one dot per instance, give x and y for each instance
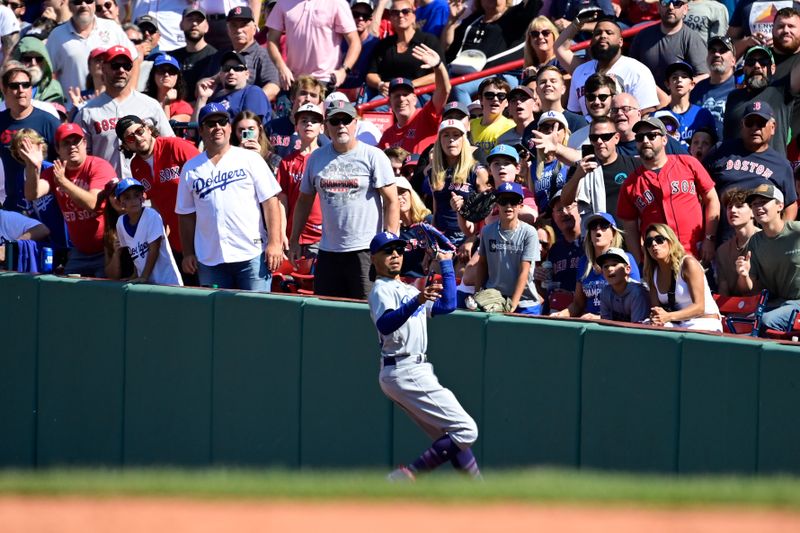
(137, 42)
(548, 127)
(13, 5)
(658, 239)
(167, 71)
(489, 95)
(677, 4)
(362, 16)
(763, 61)
(649, 135)
(625, 109)
(602, 224)
(605, 137)
(399, 248)
(508, 200)
(79, 2)
(752, 122)
(346, 120)
(235, 68)
(124, 66)
(105, 7)
(595, 97)
(544, 33)
(28, 60)
(214, 122)
(17, 85)
(136, 134)
(397, 12)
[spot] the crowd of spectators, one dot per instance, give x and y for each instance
(209, 143)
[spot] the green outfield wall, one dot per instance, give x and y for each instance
(108, 374)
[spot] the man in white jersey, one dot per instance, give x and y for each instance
(99, 116)
(222, 195)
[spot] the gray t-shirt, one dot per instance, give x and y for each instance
(99, 116)
(347, 184)
(707, 17)
(775, 262)
(633, 305)
(657, 51)
(505, 250)
(412, 337)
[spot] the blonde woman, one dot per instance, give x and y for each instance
(412, 211)
(600, 234)
(679, 292)
(548, 174)
(540, 46)
(453, 175)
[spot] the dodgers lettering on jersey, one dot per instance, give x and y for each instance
(218, 180)
(139, 250)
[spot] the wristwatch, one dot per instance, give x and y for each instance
(711, 237)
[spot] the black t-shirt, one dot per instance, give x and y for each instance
(777, 95)
(194, 65)
(388, 63)
(784, 65)
(614, 174)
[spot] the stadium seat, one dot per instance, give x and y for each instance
(741, 314)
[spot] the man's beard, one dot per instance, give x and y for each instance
(718, 68)
(36, 75)
(756, 83)
(604, 55)
(190, 38)
(791, 49)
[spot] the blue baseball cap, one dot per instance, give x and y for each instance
(760, 108)
(679, 66)
(505, 150)
(212, 109)
(125, 184)
(166, 59)
(382, 240)
(510, 188)
(401, 82)
(608, 217)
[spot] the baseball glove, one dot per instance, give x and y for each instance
(477, 206)
(429, 237)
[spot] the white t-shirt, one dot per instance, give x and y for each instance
(13, 225)
(637, 80)
(69, 52)
(98, 118)
(149, 229)
(227, 200)
(9, 25)
(168, 14)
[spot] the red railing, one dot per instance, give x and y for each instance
(511, 65)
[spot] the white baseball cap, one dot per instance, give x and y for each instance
(309, 108)
(336, 96)
(452, 123)
(553, 116)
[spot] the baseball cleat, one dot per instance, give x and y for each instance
(401, 474)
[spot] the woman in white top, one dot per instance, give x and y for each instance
(679, 293)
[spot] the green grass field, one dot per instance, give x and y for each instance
(526, 486)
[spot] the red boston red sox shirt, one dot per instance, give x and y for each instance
(161, 181)
(669, 196)
(85, 227)
(290, 174)
(419, 133)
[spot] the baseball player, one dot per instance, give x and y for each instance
(399, 312)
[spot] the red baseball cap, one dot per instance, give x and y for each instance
(118, 50)
(100, 50)
(65, 130)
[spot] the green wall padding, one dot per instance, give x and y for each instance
(779, 409)
(629, 399)
(256, 400)
(81, 372)
(19, 324)
(532, 398)
(168, 392)
(719, 399)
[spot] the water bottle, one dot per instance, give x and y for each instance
(548, 279)
(47, 260)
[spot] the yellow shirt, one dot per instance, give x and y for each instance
(486, 136)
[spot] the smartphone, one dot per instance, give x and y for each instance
(248, 134)
(586, 150)
(590, 13)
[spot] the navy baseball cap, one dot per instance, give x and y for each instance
(453, 108)
(212, 109)
(383, 239)
(166, 59)
(411, 160)
(504, 150)
(510, 188)
(241, 13)
(762, 109)
(125, 184)
(608, 217)
(679, 66)
(400, 82)
(239, 58)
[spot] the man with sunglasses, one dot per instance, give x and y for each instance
(759, 85)
(161, 22)
(772, 260)
(400, 314)
(31, 52)
(625, 113)
(671, 189)
(358, 197)
(599, 91)
(69, 44)
(712, 92)
(99, 116)
(225, 195)
(748, 161)
(234, 91)
(493, 93)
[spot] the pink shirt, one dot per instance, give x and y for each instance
(313, 30)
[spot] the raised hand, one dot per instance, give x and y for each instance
(31, 153)
(427, 55)
(743, 264)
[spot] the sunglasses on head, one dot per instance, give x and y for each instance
(595, 97)
(17, 85)
(509, 200)
(139, 132)
(605, 137)
(397, 12)
(490, 95)
(761, 60)
(235, 68)
(346, 120)
(649, 135)
(544, 33)
(399, 248)
(602, 224)
(124, 66)
(213, 122)
(658, 239)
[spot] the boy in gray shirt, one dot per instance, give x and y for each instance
(623, 299)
